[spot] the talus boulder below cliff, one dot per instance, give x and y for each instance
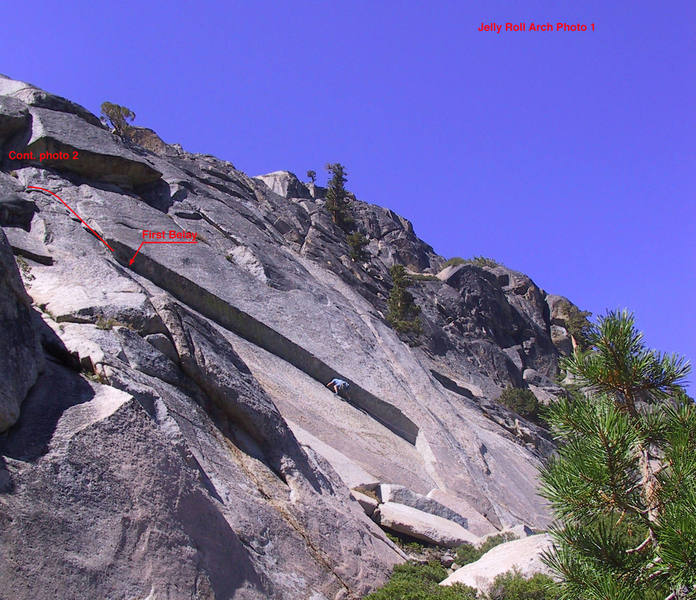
(523, 555)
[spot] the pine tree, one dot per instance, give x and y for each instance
(623, 486)
(337, 197)
(312, 175)
(402, 311)
(357, 242)
(118, 117)
(578, 326)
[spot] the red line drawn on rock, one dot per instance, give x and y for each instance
(33, 187)
(132, 260)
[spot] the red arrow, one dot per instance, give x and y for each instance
(132, 260)
(33, 187)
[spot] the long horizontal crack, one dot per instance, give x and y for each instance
(260, 334)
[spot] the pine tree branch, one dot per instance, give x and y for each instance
(642, 546)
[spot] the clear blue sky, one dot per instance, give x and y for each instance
(568, 156)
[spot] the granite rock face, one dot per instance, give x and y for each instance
(90, 151)
(167, 414)
(30, 95)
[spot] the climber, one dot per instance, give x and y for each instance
(338, 385)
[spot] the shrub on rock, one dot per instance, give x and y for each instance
(411, 581)
(521, 400)
(515, 586)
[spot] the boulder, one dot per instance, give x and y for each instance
(533, 377)
(447, 560)
(515, 532)
(93, 152)
(163, 344)
(523, 554)
(423, 526)
(285, 184)
(368, 503)
(476, 522)
(546, 395)
(545, 390)
(148, 139)
(21, 356)
(24, 243)
(402, 495)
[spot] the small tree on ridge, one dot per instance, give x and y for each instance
(337, 197)
(118, 117)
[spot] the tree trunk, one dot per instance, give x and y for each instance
(648, 480)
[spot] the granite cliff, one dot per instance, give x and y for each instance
(166, 430)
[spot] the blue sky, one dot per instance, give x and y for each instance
(569, 156)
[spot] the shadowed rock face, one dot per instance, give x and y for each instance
(205, 435)
(14, 116)
(21, 358)
(16, 212)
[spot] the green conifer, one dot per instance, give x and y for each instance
(118, 117)
(337, 197)
(357, 242)
(402, 311)
(623, 486)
